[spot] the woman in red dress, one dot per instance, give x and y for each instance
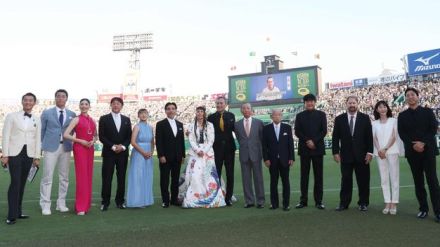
(84, 129)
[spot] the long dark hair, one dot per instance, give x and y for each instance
(384, 103)
(204, 124)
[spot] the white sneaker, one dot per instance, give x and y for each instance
(81, 213)
(46, 212)
(62, 209)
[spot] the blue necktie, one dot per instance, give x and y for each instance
(61, 118)
(277, 132)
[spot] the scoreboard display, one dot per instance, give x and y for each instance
(283, 87)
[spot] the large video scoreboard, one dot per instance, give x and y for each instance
(279, 88)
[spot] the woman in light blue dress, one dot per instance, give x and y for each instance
(140, 174)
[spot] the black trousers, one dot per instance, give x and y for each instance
(362, 172)
(19, 167)
(108, 167)
(226, 157)
(317, 162)
(425, 166)
(277, 170)
(166, 169)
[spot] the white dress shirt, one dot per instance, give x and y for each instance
(277, 130)
(173, 125)
(64, 113)
(354, 119)
(250, 123)
(27, 121)
(117, 120)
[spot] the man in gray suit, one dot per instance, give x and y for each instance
(249, 133)
(56, 150)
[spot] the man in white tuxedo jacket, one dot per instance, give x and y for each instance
(21, 150)
(57, 150)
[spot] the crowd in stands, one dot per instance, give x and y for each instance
(332, 102)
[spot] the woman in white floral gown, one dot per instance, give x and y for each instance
(200, 186)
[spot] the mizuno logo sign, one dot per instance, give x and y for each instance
(425, 61)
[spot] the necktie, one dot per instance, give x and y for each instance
(351, 125)
(222, 123)
(246, 127)
(277, 132)
(61, 118)
(27, 115)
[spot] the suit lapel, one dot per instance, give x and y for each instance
(170, 130)
(66, 112)
(20, 120)
(274, 133)
(357, 124)
(345, 123)
(55, 116)
(241, 127)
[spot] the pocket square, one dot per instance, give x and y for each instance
(284, 134)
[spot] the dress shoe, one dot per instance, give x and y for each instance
(393, 211)
(228, 203)
(23, 216)
(10, 222)
(165, 205)
(81, 213)
(248, 205)
(363, 208)
(422, 214)
(437, 218)
(104, 208)
(121, 206)
(62, 209)
(46, 212)
(259, 206)
(300, 205)
(286, 208)
(320, 206)
(272, 207)
(341, 208)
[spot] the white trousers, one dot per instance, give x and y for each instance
(389, 173)
(51, 159)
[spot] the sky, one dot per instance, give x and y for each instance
(49, 44)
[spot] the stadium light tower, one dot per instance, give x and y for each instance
(133, 43)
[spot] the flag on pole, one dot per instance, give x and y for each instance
(252, 53)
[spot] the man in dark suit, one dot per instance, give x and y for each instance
(353, 148)
(115, 135)
(224, 144)
(417, 128)
(170, 146)
(311, 128)
(278, 155)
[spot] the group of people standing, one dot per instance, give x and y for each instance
(355, 141)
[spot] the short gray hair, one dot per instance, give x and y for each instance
(274, 110)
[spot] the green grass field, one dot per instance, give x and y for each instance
(231, 226)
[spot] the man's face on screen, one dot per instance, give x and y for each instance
(270, 83)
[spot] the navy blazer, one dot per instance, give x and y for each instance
(281, 149)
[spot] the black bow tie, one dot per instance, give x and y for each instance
(27, 115)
